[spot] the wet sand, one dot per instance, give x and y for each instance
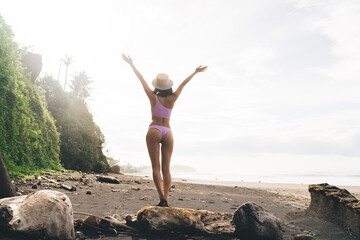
(286, 201)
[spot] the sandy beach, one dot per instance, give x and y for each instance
(286, 201)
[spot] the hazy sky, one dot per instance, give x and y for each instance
(281, 91)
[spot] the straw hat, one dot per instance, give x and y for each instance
(162, 82)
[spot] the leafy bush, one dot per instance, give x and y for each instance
(28, 136)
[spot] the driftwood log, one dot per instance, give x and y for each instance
(59, 185)
(107, 179)
(42, 214)
(169, 219)
(7, 189)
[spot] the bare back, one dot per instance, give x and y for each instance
(168, 102)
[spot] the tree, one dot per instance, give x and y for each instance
(67, 61)
(80, 85)
(81, 139)
(6, 187)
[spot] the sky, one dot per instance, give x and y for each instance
(281, 93)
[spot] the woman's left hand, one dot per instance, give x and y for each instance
(200, 69)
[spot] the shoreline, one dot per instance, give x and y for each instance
(267, 186)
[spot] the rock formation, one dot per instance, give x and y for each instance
(44, 214)
(32, 63)
(252, 222)
(6, 187)
(115, 169)
(335, 205)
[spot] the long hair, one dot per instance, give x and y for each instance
(163, 93)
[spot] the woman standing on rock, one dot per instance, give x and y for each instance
(162, 100)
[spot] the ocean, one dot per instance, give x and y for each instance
(338, 179)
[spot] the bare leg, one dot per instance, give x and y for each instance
(153, 138)
(166, 152)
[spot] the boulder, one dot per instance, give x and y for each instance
(253, 222)
(115, 169)
(43, 214)
(32, 63)
(335, 205)
(168, 219)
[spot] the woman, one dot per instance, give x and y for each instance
(162, 100)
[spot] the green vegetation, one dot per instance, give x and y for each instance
(81, 139)
(28, 136)
(31, 141)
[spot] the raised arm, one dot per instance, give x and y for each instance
(146, 87)
(182, 85)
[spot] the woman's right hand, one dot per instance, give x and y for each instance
(200, 69)
(127, 59)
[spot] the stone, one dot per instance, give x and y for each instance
(43, 214)
(335, 205)
(107, 179)
(115, 169)
(253, 222)
(88, 192)
(169, 219)
(32, 63)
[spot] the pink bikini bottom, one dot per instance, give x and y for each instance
(162, 129)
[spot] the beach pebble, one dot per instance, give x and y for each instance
(145, 198)
(135, 188)
(79, 235)
(88, 192)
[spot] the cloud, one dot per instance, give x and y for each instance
(337, 20)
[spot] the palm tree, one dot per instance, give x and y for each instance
(80, 85)
(67, 61)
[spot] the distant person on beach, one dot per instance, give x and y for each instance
(162, 100)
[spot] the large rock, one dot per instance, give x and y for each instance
(32, 63)
(115, 169)
(166, 219)
(43, 214)
(335, 205)
(253, 222)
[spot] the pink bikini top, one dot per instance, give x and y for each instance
(159, 110)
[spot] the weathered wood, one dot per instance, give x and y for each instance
(167, 219)
(7, 189)
(60, 185)
(42, 214)
(109, 222)
(107, 179)
(66, 187)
